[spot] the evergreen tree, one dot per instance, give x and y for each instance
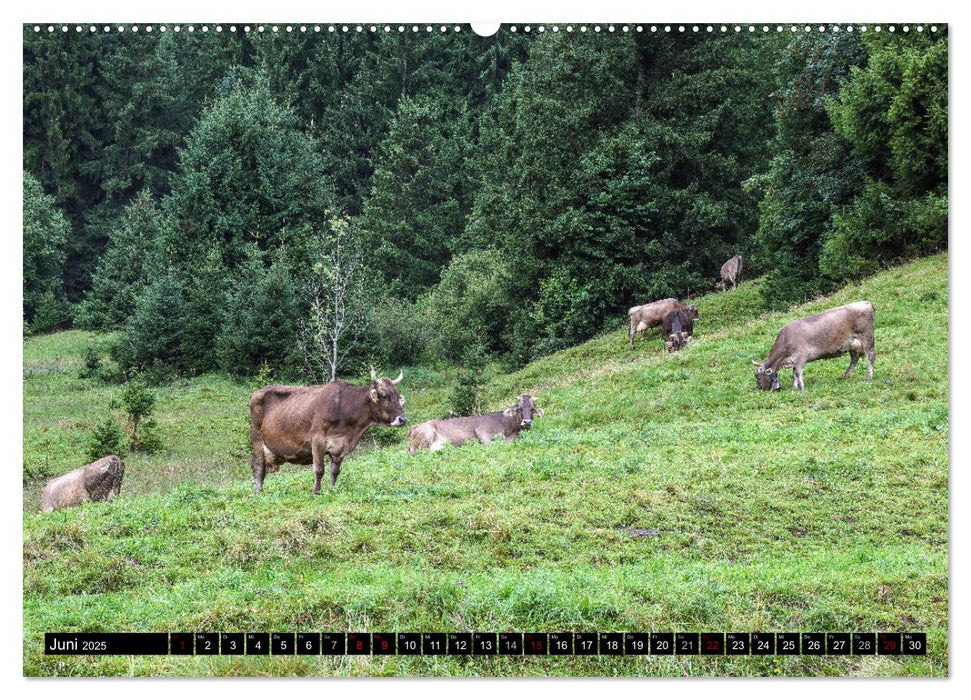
(421, 194)
(46, 231)
(126, 267)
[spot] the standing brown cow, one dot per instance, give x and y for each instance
(435, 434)
(731, 274)
(650, 315)
(305, 424)
(98, 481)
(845, 329)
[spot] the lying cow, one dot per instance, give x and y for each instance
(650, 315)
(731, 274)
(98, 481)
(305, 424)
(677, 327)
(845, 329)
(435, 434)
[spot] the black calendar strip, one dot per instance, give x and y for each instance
(487, 643)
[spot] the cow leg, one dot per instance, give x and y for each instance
(258, 463)
(871, 355)
(630, 335)
(854, 358)
(797, 378)
(484, 437)
(317, 450)
(335, 470)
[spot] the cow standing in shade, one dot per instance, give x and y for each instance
(650, 315)
(98, 481)
(731, 274)
(435, 434)
(306, 424)
(840, 331)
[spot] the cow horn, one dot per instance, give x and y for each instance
(401, 375)
(374, 375)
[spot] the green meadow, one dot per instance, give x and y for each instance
(660, 492)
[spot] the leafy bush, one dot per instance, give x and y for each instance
(465, 397)
(139, 403)
(107, 438)
(92, 362)
(470, 304)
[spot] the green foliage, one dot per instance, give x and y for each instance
(107, 438)
(125, 268)
(421, 194)
(139, 403)
(261, 321)
(154, 335)
(45, 234)
(466, 399)
(248, 178)
(812, 170)
(470, 305)
(92, 362)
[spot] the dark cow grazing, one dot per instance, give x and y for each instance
(731, 274)
(98, 481)
(677, 327)
(650, 315)
(435, 434)
(845, 329)
(305, 424)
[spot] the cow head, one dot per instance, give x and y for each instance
(719, 286)
(766, 378)
(692, 311)
(676, 341)
(387, 403)
(524, 409)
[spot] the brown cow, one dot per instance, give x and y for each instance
(435, 434)
(303, 424)
(650, 315)
(98, 481)
(731, 274)
(845, 329)
(677, 327)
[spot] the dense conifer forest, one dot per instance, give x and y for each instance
(238, 202)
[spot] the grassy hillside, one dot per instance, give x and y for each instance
(817, 511)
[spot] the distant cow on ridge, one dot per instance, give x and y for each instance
(650, 315)
(305, 424)
(435, 434)
(731, 274)
(98, 481)
(845, 329)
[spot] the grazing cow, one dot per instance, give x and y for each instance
(845, 329)
(731, 274)
(435, 434)
(650, 315)
(305, 424)
(677, 327)
(98, 481)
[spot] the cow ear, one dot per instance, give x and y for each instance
(374, 395)
(539, 411)
(755, 362)
(510, 412)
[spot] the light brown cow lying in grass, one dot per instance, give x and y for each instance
(435, 434)
(98, 481)
(845, 329)
(650, 315)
